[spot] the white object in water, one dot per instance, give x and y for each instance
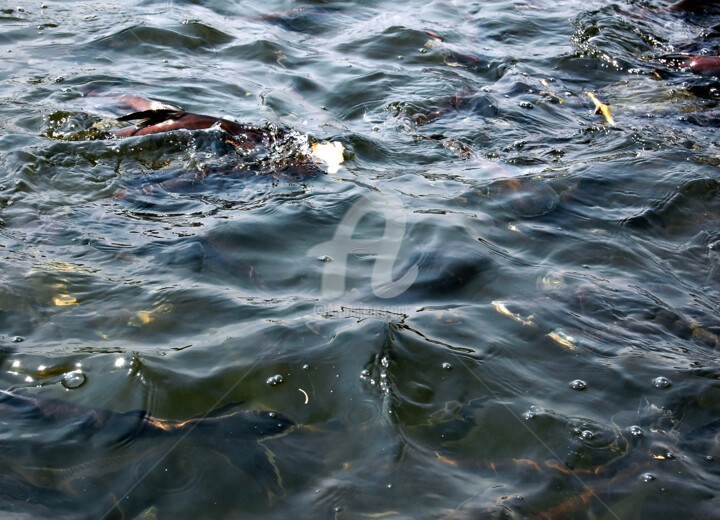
(331, 153)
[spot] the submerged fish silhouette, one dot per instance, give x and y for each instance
(694, 6)
(59, 455)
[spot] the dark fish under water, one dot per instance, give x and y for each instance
(695, 6)
(56, 455)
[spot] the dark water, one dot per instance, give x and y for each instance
(554, 357)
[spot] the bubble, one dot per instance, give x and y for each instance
(636, 431)
(661, 382)
(591, 433)
(578, 384)
(306, 367)
(647, 477)
(74, 379)
(17, 339)
(447, 366)
(275, 380)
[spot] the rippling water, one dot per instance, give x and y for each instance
(553, 354)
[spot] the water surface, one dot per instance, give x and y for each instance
(554, 357)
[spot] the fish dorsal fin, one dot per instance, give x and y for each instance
(152, 117)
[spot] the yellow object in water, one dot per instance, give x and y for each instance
(63, 300)
(602, 108)
(331, 153)
(563, 339)
(502, 309)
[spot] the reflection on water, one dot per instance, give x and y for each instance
(552, 356)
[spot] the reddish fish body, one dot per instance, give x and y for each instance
(158, 121)
(156, 117)
(705, 65)
(694, 6)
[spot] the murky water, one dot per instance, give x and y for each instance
(501, 306)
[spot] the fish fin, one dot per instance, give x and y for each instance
(433, 35)
(152, 117)
(140, 104)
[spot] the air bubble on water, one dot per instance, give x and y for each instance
(74, 379)
(587, 435)
(306, 367)
(528, 415)
(275, 380)
(647, 477)
(325, 258)
(17, 339)
(661, 382)
(272, 415)
(447, 366)
(578, 384)
(636, 431)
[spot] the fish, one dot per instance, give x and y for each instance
(60, 455)
(308, 20)
(154, 117)
(702, 65)
(694, 6)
